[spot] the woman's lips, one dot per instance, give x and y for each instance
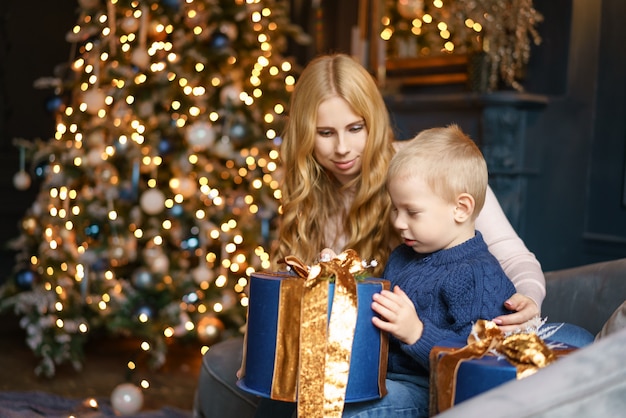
(344, 165)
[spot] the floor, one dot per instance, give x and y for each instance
(104, 368)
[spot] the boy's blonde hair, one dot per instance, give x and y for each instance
(448, 160)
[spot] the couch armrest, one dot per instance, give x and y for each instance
(587, 295)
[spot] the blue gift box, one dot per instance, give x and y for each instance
(368, 359)
(471, 376)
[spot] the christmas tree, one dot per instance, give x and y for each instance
(159, 190)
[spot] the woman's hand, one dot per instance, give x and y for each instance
(399, 317)
(524, 309)
(327, 254)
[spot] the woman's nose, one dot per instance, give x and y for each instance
(341, 147)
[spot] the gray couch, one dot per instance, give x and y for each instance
(586, 296)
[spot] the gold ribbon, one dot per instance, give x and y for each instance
(325, 346)
(527, 352)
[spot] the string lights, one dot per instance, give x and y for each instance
(500, 29)
(158, 189)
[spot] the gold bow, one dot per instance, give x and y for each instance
(331, 340)
(527, 352)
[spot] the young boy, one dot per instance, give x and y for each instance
(443, 277)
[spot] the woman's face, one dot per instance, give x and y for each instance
(340, 139)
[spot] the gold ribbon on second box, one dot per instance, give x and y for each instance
(527, 352)
(319, 337)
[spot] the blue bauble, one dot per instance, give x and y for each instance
(219, 40)
(42, 168)
(93, 230)
(143, 279)
(177, 210)
(190, 243)
(165, 146)
(100, 265)
(145, 310)
(172, 4)
(54, 103)
(25, 279)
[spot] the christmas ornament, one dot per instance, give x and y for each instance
(92, 230)
(238, 130)
(200, 135)
(177, 210)
(172, 4)
(152, 202)
(230, 94)
(126, 399)
(165, 146)
(229, 29)
(219, 40)
(143, 279)
(129, 24)
(21, 180)
(54, 103)
(144, 313)
(202, 274)
(190, 243)
(24, 279)
(140, 58)
(29, 224)
(209, 329)
(411, 9)
(184, 186)
(95, 100)
(42, 168)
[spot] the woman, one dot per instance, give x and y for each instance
(336, 148)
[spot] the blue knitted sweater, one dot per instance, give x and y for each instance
(451, 289)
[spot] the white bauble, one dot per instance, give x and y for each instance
(95, 100)
(152, 201)
(411, 9)
(127, 399)
(21, 180)
(130, 24)
(202, 274)
(160, 264)
(140, 58)
(200, 135)
(184, 186)
(230, 94)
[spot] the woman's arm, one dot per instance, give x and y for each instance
(519, 264)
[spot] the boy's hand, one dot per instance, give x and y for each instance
(398, 314)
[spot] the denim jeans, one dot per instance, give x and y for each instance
(571, 334)
(407, 397)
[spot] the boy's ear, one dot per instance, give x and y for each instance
(464, 207)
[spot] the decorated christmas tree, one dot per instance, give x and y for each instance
(158, 191)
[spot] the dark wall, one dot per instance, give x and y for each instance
(32, 43)
(576, 209)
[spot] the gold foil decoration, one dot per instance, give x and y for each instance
(284, 380)
(329, 339)
(527, 352)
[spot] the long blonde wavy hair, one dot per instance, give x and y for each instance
(310, 194)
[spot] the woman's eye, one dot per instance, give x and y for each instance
(356, 128)
(325, 133)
